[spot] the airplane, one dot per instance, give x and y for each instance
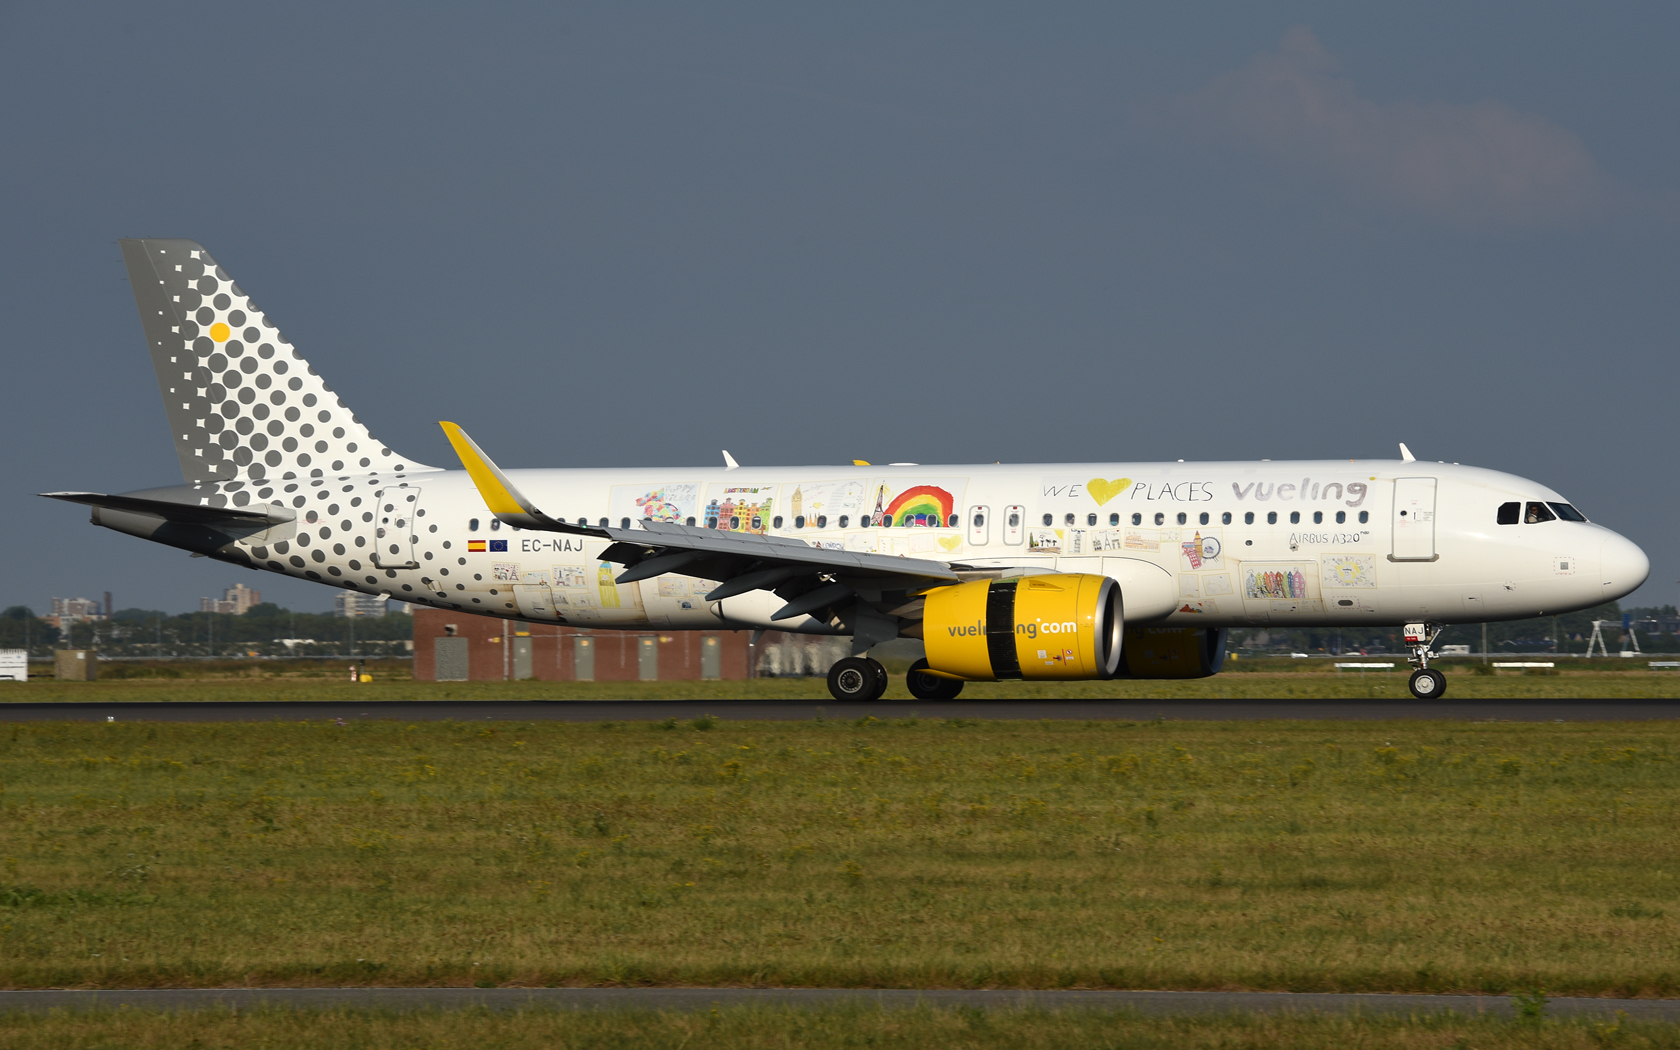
(1051, 571)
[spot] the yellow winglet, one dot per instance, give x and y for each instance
(860, 463)
(498, 492)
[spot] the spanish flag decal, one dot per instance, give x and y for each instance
(475, 545)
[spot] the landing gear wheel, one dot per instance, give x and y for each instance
(857, 678)
(924, 686)
(1428, 684)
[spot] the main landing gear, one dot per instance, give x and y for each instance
(1427, 683)
(857, 678)
(862, 679)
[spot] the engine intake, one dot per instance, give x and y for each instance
(1058, 625)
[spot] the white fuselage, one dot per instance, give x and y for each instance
(1316, 543)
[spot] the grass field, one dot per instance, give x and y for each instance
(748, 1029)
(1274, 679)
(916, 853)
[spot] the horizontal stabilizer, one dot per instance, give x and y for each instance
(261, 515)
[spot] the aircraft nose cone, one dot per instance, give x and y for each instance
(1622, 567)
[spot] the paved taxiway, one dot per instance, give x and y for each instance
(803, 710)
(1161, 1003)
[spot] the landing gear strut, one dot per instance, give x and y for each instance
(1427, 683)
(857, 678)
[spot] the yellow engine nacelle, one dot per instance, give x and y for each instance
(1059, 625)
(1172, 652)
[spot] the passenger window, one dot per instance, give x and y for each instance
(1318, 517)
(979, 521)
(951, 522)
(1160, 519)
(690, 523)
(1114, 519)
(1341, 517)
(776, 522)
(1509, 513)
(1014, 521)
(1183, 518)
(845, 519)
(734, 521)
(624, 523)
(1537, 513)
(472, 525)
(1567, 512)
(1364, 516)
(1204, 517)
(886, 521)
(1068, 520)
(1294, 517)
(603, 522)
(1271, 517)
(822, 521)
(1090, 519)
(1225, 518)
(1137, 519)
(799, 521)
(1248, 518)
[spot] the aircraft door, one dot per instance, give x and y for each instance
(1414, 519)
(394, 525)
(533, 596)
(979, 526)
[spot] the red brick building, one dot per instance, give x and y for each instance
(452, 646)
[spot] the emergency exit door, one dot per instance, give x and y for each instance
(1414, 519)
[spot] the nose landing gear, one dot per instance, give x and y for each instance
(1426, 683)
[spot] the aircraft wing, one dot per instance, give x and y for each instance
(810, 579)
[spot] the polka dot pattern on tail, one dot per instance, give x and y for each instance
(214, 351)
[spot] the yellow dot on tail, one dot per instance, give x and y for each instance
(219, 332)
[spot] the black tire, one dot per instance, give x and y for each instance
(881, 677)
(856, 679)
(1428, 684)
(930, 687)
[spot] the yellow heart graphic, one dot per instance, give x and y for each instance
(1102, 490)
(950, 543)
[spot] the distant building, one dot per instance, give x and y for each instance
(237, 600)
(354, 603)
(66, 611)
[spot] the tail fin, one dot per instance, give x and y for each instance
(242, 402)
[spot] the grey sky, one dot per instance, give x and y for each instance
(614, 235)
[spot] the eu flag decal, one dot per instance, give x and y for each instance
(498, 546)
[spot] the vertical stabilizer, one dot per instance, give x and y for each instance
(242, 402)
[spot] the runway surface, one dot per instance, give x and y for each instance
(804, 710)
(1160, 1003)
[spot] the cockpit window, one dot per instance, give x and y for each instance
(1567, 512)
(1538, 512)
(1510, 513)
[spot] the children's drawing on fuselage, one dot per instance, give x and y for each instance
(1291, 581)
(739, 508)
(914, 503)
(504, 571)
(570, 576)
(1044, 541)
(1350, 570)
(1201, 551)
(1216, 583)
(1142, 540)
(826, 501)
(673, 501)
